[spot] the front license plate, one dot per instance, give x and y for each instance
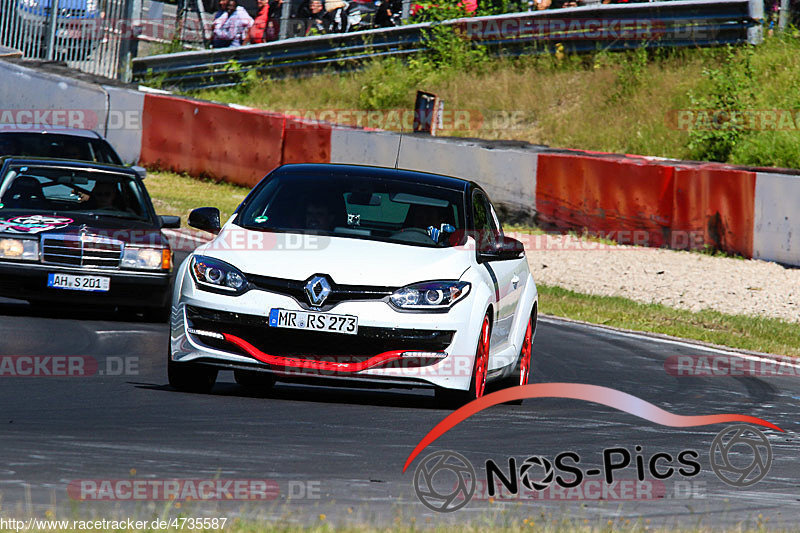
(78, 283)
(283, 318)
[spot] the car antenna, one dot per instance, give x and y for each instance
(399, 145)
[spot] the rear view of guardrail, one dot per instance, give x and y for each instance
(86, 34)
(581, 29)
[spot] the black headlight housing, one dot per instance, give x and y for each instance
(217, 276)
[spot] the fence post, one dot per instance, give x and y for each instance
(755, 34)
(783, 18)
(286, 12)
(51, 31)
(126, 40)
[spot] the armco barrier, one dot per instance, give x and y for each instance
(580, 29)
(203, 138)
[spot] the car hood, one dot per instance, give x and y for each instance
(13, 222)
(348, 261)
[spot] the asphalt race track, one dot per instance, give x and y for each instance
(347, 447)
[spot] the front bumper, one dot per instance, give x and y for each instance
(28, 281)
(391, 348)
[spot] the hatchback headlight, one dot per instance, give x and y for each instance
(213, 273)
(19, 249)
(430, 296)
(146, 258)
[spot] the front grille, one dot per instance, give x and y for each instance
(314, 345)
(81, 250)
(339, 293)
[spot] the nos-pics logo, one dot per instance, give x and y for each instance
(446, 481)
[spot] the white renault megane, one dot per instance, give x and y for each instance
(341, 274)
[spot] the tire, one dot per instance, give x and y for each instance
(189, 377)
(254, 381)
(522, 369)
(477, 386)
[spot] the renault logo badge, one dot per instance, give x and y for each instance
(317, 290)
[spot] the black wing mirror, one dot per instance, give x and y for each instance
(506, 249)
(168, 221)
(205, 218)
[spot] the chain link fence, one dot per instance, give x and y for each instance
(93, 36)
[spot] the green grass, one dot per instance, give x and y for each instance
(614, 102)
(737, 331)
(177, 194)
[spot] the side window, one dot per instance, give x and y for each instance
(485, 226)
(498, 228)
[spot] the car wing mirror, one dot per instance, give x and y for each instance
(205, 218)
(168, 221)
(504, 250)
(140, 171)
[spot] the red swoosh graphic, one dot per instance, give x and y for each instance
(578, 391)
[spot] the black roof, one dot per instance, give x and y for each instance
(69, 163)
(426, 178)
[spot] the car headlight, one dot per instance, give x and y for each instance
(429, 296)
(146, 258)
(213, 273)
(20, 249)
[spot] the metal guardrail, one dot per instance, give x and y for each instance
(581, 29)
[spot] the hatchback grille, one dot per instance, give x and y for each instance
(81, 250)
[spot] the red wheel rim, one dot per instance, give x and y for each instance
(482, 359)
(525, 354)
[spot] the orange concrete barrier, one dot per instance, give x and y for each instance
(201, 138)
(717, 203)
(612, 196)
(306, 141)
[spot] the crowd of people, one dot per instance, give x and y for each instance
(234, 26)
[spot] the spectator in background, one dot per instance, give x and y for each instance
(319, 19)
(231, 25)
(388, 13)
(274, 23)
(259, 29)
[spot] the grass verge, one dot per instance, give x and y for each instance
(176, 194)
(758, 334)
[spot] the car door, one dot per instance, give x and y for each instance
(505, 274)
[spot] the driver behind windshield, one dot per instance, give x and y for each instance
(104, 195)
(319, 216)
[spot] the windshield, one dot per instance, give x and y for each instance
(357, 207)
(58, 189)
(57, 145)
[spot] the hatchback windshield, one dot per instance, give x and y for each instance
(57, 145)
(357, 207)
(59, 189)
